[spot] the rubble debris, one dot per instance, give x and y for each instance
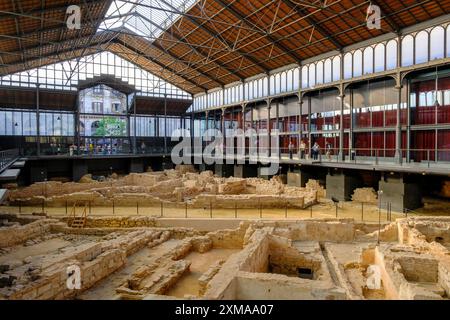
(366, 195)
(314, 185)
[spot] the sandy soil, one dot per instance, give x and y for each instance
(21, 252)
(106, 289)
(200, 262)
(324, 209)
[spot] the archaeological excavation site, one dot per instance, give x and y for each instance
(184, 234)
(187, 154)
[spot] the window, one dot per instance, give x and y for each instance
(265, 88)
(379, 58)
(97, 107)
(407, 51)
(391, 55)
(368, 60)
(305, 77)
(272, 85)
(116, 107)
(312, 75)
(260, 87)
(277, 83)
(421, 47)
(336, 68)
(146, 20)
(319, 72)
(448, 41)
(66, 75)
(283, 82)
(327, 71)
(437, 43)
(348, 65)
(357, 63)
(289, 80)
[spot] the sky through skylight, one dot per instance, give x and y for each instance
(148, 18)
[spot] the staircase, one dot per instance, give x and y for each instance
(78, 222)
(75, 221)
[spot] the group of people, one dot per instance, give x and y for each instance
(91, 149)
(55, 148)
(315, 150)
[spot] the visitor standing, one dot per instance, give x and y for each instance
(302, 149)
(315, 151)
(291, 149)
(328, 150)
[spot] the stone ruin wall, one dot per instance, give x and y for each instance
(243, 275)
(98, 260)
(16, 234)
(170, 187)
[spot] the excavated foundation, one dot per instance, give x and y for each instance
(149, 258)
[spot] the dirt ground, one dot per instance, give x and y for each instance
(200, 262)
(324, 209)
(106, 289)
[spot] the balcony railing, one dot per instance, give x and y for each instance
(370, 156)
(7, 157)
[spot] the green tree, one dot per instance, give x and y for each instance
(110, 126)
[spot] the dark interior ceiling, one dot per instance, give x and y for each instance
(108, 80)
(155, 106)
(63, 100)
(21, 98)
(215, 43)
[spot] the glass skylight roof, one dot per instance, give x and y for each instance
(67, 74)
(147, 18)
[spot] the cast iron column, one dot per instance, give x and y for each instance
(341, 128)
(134, 122)
(165, 124)
(38, 124)
(268, 128)
(408, 121)
(299, 123)
(398, 127)
(223, 130)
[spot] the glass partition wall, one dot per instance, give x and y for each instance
(370, 116)
(103, 125)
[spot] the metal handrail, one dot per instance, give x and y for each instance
(354, 154)
(407, 211)
(8, 157)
